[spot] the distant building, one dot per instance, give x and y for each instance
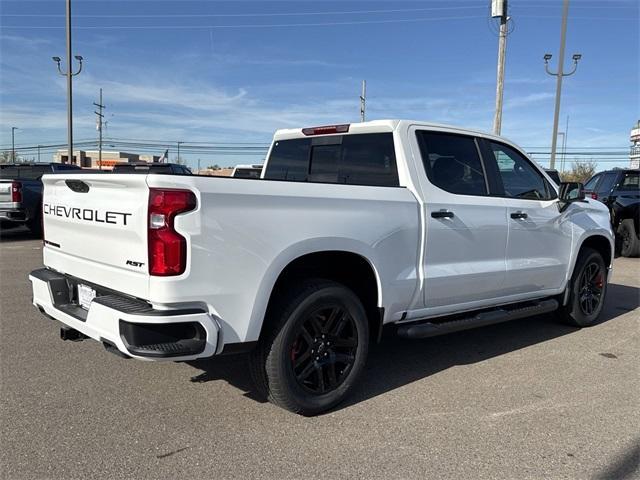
(634, 153)
(220, 172)
(89, 158)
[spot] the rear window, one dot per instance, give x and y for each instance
(591, 184)
(247, 173)
(361, 159)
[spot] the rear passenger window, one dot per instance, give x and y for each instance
(519, 177)
(360, 159)
(452, 162)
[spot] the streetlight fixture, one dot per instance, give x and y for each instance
(69, 73)
(559, 75)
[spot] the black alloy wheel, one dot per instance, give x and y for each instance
(314, 347)
(591, 288)
(587, 290)
(324, 351)
(626, 240)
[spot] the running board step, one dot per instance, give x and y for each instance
(503, 314)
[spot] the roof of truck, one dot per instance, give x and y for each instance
(386, 125)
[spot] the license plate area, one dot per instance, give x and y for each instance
(86, 294)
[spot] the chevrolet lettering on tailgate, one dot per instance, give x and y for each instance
(86, 214)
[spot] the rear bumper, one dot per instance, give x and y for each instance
(132, 326)
(12, 212)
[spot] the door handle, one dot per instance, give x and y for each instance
(442, 214)
(519, 215)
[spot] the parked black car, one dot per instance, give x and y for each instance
(157, 168)
(21, 192)
(619, 189)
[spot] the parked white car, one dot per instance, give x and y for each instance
(431, 228)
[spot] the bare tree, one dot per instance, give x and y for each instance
(5, 157)
(581, 171)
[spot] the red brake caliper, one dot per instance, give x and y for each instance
(599, 281)
(295, 350)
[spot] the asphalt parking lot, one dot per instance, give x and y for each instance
(526, 399)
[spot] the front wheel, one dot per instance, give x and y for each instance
(315, 348)
(587, 290)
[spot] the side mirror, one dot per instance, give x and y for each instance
(571, 191)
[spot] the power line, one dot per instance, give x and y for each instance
(233, 15)
(257, 25)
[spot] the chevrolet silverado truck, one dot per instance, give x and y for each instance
(21, 192)
(428, 228)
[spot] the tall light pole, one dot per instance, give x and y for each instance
(560, 74)
(499, 9)
(69, 74)
(13, 144)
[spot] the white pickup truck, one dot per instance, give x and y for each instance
(430, 228)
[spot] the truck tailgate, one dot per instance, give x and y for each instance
(95, 228)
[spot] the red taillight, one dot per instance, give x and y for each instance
(16, 192)
(167, 248)
(326, 129)
(594, 195)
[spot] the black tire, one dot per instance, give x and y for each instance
(34, 224)
(629, 242)
(301, 326)
(35, 227)
(587, 290)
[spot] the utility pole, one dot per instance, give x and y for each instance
(69, 74)
(100, 117)
(499, 9)
(39, 153)
(13, 144)
(560, 74)
(363, 100)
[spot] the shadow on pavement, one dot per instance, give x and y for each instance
(396, 362)
(624, 466)
(17, 234)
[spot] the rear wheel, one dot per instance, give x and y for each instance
(629, 242)
(315, 348)
(587, 290)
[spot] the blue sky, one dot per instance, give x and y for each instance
(236, 71)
